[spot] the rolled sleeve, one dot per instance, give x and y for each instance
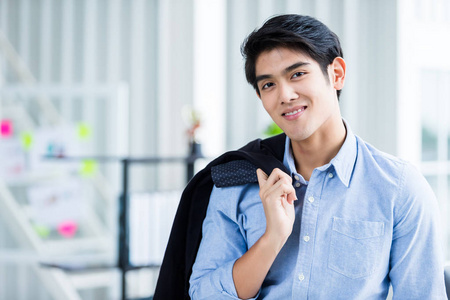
(222, 244)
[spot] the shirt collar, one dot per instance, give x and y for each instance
(288, 158)
(343, 162)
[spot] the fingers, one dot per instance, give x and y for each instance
(291, 197)
(277, 196)
(278, 175)
(278, 182)
(262, 177)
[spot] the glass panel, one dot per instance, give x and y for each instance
(448, 191)
(445, 100)
(433, 181)
(446, 222)
(430, 116)
(441, 188)
(429, 144)
(448, 146)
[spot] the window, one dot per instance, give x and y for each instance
(435, 141)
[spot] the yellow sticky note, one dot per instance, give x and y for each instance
(27, 140)
(88, 167)
(84, 131)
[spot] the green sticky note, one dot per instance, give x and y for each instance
(88, 167)
(272, 130)
(27, 140)
(84, 131)
(42, 231)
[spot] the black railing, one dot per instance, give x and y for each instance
(123, 262)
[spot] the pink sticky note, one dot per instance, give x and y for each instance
(6, 128)
(67, 229)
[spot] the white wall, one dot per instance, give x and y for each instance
(368, 36)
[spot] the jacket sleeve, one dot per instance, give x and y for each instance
(416, 263)
(222, 244)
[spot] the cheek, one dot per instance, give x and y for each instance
(268, 105)
(267, 108)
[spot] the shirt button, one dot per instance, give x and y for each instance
(297, 184)
(301, 277)
(311, 199)
(330, 175)
(296, 177)
(306, 238)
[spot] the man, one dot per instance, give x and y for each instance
(338, 219)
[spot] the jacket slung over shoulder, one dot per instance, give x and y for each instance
(186, 233)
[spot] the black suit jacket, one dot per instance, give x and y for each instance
(186, 233)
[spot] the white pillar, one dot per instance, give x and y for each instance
(209, 73)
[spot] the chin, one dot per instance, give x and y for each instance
(297, 136)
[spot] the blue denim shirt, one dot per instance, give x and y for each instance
(363, 221)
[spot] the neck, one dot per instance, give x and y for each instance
(320, 148)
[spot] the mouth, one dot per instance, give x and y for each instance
(294, 113)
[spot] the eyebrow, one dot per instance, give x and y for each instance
(287, 70)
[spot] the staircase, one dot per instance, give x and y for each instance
(31, 107)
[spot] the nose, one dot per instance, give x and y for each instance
(287, 93)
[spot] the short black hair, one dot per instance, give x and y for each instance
(302, 33)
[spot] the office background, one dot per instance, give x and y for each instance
(128, 76)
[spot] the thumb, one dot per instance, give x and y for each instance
(291, 197)
(262, 177)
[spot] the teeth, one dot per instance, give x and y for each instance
(292, 112)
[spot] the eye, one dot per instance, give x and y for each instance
(267, 85)
(298, 74)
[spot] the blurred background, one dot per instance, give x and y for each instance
(101, 101)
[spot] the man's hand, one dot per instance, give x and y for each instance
(278, 196)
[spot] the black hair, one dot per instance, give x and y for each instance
(296, 32)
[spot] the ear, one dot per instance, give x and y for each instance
(338, 73)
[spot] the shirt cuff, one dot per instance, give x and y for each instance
(227, 283)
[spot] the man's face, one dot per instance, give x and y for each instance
(297, 95)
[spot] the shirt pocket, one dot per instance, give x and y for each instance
(355, 247)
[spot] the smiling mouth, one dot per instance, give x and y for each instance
(291, 113)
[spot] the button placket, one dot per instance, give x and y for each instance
(308, 230)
